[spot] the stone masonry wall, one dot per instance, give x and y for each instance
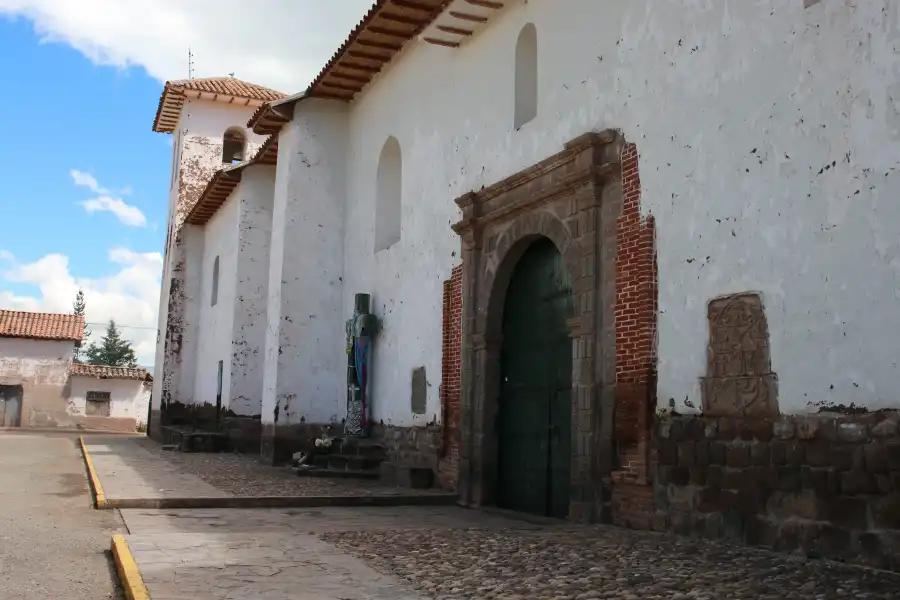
(824, 485)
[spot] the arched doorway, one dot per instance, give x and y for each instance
(535, 412)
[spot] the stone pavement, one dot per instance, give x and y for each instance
(452, 553)
(138, 468)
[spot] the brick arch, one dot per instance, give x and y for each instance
(573, 198)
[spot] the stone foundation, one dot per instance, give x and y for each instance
(243, 433)
(279, 442)
(823, 485)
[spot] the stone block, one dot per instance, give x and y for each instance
(667, 453)
(701, 453)
(679, 475)
(737, 455)
(875, 458)
(686, 454)
(750, 502)
(787, 505)
(807, 428)
(732, 526)
(727, 429)
(823, 481)
(789, 478)
(818, 454)
(845, 457)
(833, 542)
(717, 451)
(746, 396)
(887, 428)
(874, 550)
(684, 498)
(760, 531)
(695, 428)
(892, 451)
(711, 431)
(733, 479)
(710, 500)
(760, 454)
(852, 432)
(783, 429)
(883, 483)
(714, 476)
(404, 475)
(857, 482)
(761, 429)
(886, 511)
(698, 475)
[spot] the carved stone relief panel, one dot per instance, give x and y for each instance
(739, 379)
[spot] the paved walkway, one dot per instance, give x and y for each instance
(52, 543)
(449, 553)
(127, 470)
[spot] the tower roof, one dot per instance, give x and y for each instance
(217, 89)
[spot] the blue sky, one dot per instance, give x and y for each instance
(67, 120)
(86, 180)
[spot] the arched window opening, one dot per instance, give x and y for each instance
(526, 76)
(234, 145)
(389, 188)
(214, 298)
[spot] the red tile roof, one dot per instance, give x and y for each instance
(226, 89)
(108, 372)
(378, 37)
(41, 326)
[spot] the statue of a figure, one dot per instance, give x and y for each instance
(360, 330)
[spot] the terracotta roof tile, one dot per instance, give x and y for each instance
(172, 98)
(380, 35)
(108, 372)
(41, 326)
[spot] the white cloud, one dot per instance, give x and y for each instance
(280, 44)
(126, 213)
(87, 180)
(130, 295)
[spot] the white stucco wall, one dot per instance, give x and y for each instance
(304, 374)
(197, 154)
(769, 140)
(220, 238)
(128, 397)
(255, 198)
(39, 361)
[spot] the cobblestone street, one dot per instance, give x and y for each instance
(449, 553)
(572, 563)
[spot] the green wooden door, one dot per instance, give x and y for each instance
(534, 422)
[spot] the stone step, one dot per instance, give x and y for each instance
(305, 471)
(359, 447)
(405, 475)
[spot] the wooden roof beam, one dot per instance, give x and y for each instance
(405, 20)
(440, 42)
(367, 55)
(486, 4)
(467, 17)
(413, 5)
(454, 30)
(379, 45)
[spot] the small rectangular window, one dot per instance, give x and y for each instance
(215, 283)
(97, 404)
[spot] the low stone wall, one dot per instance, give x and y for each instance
(824, 485)
(278, 443)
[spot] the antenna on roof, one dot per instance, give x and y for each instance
(190, 63)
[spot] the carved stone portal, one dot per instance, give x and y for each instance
(739, 379)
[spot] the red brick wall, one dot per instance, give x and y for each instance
(450, 379)
(635, 318)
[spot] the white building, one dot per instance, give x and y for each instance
(657, 207)
(41, 387)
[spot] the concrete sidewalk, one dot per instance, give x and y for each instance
(127, 471)
(276, 554)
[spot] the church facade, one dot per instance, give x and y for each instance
(630, 262)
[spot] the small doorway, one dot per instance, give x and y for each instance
(535, 411)
(10, 405)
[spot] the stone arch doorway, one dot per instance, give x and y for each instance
(574, 199)
(535, 405)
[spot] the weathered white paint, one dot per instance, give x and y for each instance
(128, 397)
(197, 154)
(39, 361)
(305, 364)
(41, 367)
(735, 107)
(255, 196)
(220, 239)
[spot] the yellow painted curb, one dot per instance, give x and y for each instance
(99, 497)
(129, 574)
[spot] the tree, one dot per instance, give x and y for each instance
(78, 309)
(112, 350)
